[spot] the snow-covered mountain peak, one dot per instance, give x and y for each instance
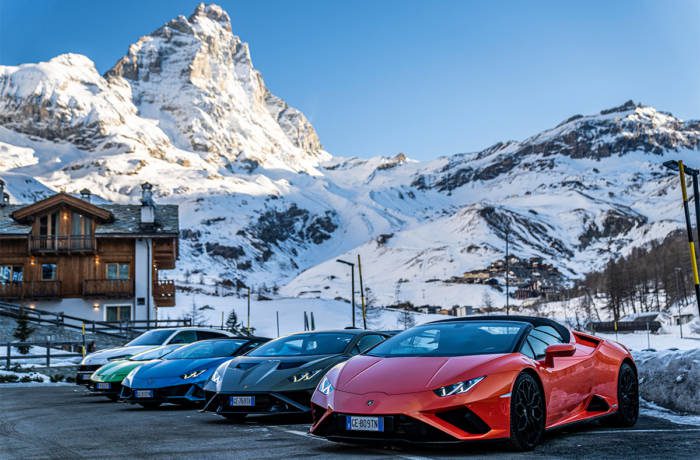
(213, 12)
(66, 100)
(197, 79)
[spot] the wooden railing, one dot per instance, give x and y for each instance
(62, 244)
(164, 293)
(108, 288)
(12, 290)
(30, 290)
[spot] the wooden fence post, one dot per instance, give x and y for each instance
(48, 353)
(9, 357)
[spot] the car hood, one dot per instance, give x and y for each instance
(168, 372)
(400, 375)
(115, 371)
(249, 373)
(103, 356)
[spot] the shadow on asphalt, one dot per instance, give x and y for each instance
(266, 420)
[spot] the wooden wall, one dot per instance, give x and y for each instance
(71, 269)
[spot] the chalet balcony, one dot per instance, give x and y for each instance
(30, 290)
(164, 293)
(80, 244)
(118, 289)
(12, 290)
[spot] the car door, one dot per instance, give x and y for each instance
(566, 390)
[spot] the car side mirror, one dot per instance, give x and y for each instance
(558, 350)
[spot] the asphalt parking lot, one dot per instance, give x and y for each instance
(64, 422)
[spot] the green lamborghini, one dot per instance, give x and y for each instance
(107, 380)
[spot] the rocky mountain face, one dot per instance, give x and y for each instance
(262, 202)
(197, 78)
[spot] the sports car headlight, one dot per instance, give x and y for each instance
(305, 376)
(457, 388)
(325, 387)
(193, 374)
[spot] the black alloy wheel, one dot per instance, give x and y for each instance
(527, 413)
(627, 397)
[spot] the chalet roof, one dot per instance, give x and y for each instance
(126, 221)
(8, 226)
(23, 213)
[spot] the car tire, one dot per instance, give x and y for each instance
(113, 398)
(527, 413)
(150, 405)
(235, 418)
(627, 397)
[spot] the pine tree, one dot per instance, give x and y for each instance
(406, 319)
(22, 332)
(232, 324)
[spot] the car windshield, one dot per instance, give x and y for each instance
(314, 343)
(207, 349)
(156, 353)
(458, 338)
(154, 337)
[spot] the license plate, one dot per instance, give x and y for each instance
(241, 401)
(103, 386)
(143, 394)
(353, 423)
(84, 376)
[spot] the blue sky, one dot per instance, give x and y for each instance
(423, 77)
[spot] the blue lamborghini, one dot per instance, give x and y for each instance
(180, 376)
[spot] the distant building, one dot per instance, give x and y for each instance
(462, 310)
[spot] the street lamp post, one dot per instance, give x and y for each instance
(352, 284)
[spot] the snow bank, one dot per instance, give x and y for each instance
(670, 379)
(10, 377)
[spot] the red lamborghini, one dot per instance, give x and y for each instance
(476, 378)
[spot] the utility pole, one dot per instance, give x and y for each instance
(362, 294)
(678, 290)
(248, 327)
(507, 274)
(352, 287)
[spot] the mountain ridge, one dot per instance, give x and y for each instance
(261, 201)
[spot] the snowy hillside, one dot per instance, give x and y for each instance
(261, 201)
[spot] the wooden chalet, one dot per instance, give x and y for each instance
(96, 261)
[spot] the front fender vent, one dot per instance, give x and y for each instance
(465, 420)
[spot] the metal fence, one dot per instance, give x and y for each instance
(54, 350)
(125, 330)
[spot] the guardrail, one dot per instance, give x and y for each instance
(75, 350)
(623, 326)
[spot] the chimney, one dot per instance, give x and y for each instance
(4, 197)
(148, 207)
(86, 195)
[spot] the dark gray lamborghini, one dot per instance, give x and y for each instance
(280, 376)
